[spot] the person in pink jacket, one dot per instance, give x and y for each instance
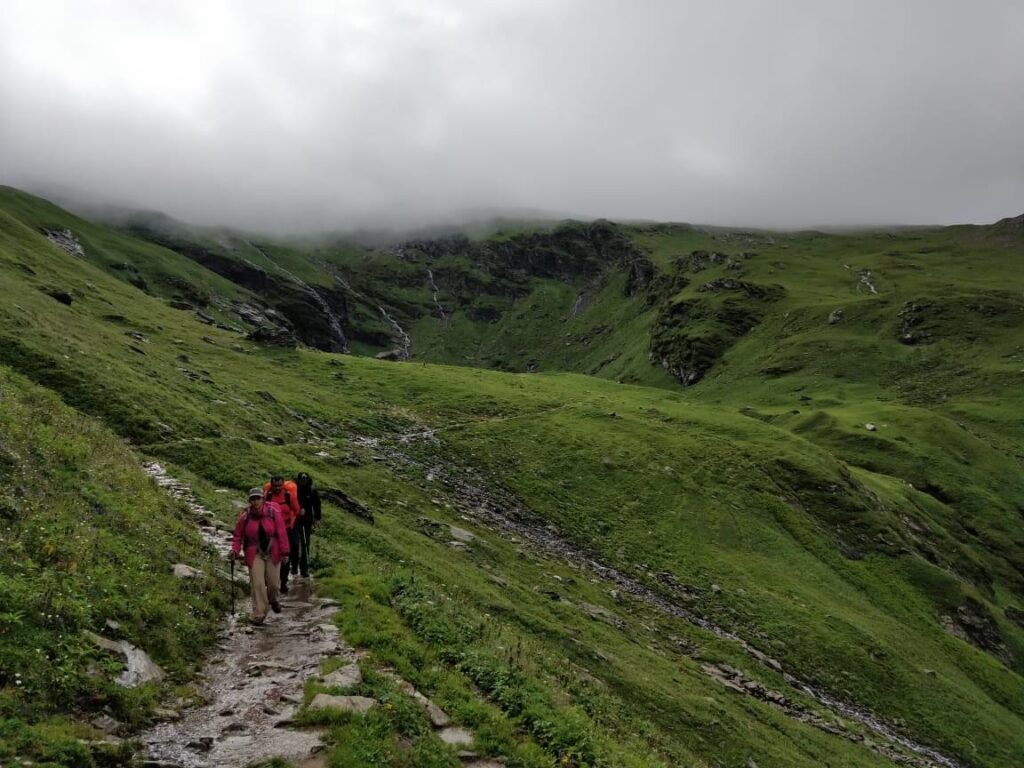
(261, 538)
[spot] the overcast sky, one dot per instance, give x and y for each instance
(328, 115)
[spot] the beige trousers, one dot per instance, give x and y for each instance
(265, 578)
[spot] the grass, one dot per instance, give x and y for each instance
(88, 540)
(836, 550)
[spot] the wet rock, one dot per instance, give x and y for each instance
(438, 717)
(139, 668)
(178, 304)
(390, 354)
(359, 704)
(346, 677)
(973, 624)
(602, 614)
(203, 744)
(62, 296)
(456, 736)
(182, 571)
(461, 534)
(107, 724)
(273, 336)
(64, 238)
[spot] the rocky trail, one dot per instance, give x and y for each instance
(252, 685)
(488, 504)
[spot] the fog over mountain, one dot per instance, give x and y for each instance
(327, 115)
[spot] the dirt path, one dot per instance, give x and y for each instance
(253, 682)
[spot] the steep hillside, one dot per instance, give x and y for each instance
(738, 571)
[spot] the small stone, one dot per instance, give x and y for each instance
(870, 427)
(166, 714)
(112, 625)
(715, 588)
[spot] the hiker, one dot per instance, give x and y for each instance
(262, 540)
(310, 514)
(285, 495)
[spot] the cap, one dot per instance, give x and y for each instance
(255, 492)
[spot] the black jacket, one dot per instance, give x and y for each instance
(309, 502)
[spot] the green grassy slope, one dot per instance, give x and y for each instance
(881, 567)
(87, 540)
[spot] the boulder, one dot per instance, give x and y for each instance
(62, 296)
(273, 336)
(182, 571)
(65, 238)
(835, 316)
(456, 737)
(461, 534)
(139, 668)
(438, 717)
(359, 704)
(346, 677)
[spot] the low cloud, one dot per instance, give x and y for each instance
(327, 115)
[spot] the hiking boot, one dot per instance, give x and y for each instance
(305, 574)
(284, 589)
(258, 622)
(275, 607)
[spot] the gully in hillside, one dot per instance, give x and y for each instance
(261, 538)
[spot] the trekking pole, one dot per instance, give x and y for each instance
(232, 586)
